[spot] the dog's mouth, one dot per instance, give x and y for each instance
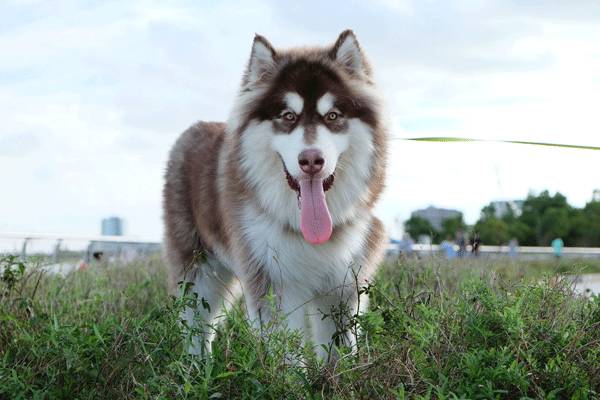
(315, 220)
(295, 185)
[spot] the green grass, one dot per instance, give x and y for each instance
(474, 329)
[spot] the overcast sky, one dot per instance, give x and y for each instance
(93, 94)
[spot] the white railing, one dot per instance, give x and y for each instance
(26, 239)
(525, 250)
(97, 238)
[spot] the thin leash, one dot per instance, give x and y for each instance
(461, 139)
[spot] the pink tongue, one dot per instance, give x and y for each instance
(315, 220)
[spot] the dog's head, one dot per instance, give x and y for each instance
(307, 128)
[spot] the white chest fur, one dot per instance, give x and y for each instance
(291, 261)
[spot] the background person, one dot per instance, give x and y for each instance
(557, 247)
(475, 243)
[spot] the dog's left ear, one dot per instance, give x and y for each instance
(347, 52)
(262, 59)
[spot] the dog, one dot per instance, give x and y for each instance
(279, 199)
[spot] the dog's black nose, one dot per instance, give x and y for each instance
(311, 161)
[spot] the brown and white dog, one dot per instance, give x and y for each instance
(280, 198)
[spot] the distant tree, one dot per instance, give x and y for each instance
(554, 223)
(577, 228)
(546, 217)
(493, 231)
(518, 230)
(592, 213)
(488, 211)
(509, 216)
(452, 225)
(588, 225)
(417, 226)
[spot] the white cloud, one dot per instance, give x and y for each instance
(92, 97)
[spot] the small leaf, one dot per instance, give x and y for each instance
(205, 305)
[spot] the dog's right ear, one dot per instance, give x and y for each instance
(262, 59)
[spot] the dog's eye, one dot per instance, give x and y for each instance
(331, 116)
(289, 116)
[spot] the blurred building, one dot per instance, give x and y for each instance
(112, 226)
(596, 195)
(436, 216)
(503, 207)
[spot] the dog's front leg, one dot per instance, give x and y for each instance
(294, 305)
(280, 308)
(213, 291)
(334, 322)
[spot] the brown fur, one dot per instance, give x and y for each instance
(193, 223)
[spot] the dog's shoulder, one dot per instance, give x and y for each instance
(200, 139)
(201, 133)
